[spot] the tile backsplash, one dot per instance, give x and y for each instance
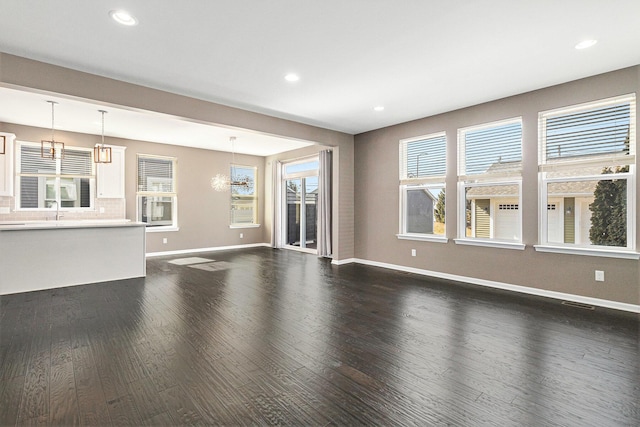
(111, 209)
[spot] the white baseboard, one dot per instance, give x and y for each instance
(213, 249)
(500, 285)
(344, 261)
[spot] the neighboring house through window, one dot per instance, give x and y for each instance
(489, 182)
(45, 183)
(423, 169)
(244, 202)
(587, 175)
(156, 195)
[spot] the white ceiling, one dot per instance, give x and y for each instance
(415, 57)
(31, 109)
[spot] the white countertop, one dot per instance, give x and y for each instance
(62, 224)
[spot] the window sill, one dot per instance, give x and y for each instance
(61, 210)
(244, 226)
(588, 251)
(491, 244)
(162, 229)
(423, 237)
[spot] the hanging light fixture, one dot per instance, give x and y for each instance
(52, 149)
(102, 154)
(222, 182)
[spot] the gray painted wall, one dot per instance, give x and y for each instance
(367, 219)
(24, 73)
(377, 200)
(203, 214)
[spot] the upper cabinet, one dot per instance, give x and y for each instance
(110, 176)
(6, 163)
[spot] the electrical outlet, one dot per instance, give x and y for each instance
(599, 276)
(242, 235)
(165, 240)
(413, 252)
(5, 210)
(101, 209)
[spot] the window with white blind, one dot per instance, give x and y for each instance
(587, 174)
(423, 168)
(156, 195)
(244, 202)
(489, 182)
(54, 184)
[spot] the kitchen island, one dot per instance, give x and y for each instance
(53, 254)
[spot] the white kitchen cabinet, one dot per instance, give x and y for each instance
(110, 176)
(6, 163)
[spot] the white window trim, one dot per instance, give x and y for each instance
(403, 233)
(462, 175)
(423, 237)
(500, 244)
(162, 229)
(18, 176)
(476, 180)
(404, 180)
(253, 224)
(607, 160)
(302, 174)
(174, 195)
(481, 241)
(542, 144)
(307, 173)
(413, 183)
(174, 213)
(590, 251)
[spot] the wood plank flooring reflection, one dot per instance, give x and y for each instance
(285, 338)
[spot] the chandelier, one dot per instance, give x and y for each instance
(222, 182)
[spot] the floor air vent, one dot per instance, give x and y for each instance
(578, 305)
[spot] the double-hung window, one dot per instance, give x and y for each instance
(587, 177)
(489, 184)
(156, 195)
(423, 168)
(44, 183)
(244, 202)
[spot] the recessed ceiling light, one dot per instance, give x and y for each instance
(123, 17)
(586, 43)
(291, 77)
(378, 108)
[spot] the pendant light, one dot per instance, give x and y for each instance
(102, 154)
(52, 149)
(222, 182)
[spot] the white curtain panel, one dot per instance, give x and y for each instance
(324, 204)
(276, 229)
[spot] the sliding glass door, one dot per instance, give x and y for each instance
(300, 205)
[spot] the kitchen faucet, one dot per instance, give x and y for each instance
(57, 209)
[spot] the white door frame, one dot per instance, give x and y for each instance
(302, 175)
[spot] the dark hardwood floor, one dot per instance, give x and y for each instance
(266, 336)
